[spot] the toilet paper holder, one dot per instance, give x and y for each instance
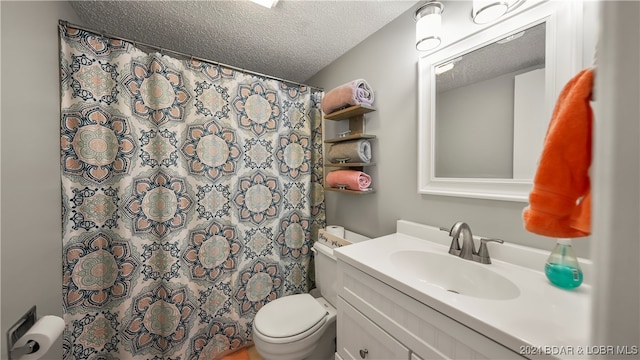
(17, 331)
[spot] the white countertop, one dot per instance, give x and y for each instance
(543, 320)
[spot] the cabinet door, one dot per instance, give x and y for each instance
(359, 338)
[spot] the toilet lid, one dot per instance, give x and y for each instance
(289, 316)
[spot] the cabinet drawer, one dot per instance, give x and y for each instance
(359, 338)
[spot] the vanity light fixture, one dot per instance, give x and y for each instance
(444, 68)
(440, 69)
(510, 38)
(486, 11)
(266, 3)
(428, 24)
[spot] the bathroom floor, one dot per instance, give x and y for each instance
(248, 353)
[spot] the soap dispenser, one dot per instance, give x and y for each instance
(562, 267)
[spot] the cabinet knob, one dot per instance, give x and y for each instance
(363, 353)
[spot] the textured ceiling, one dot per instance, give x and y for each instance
(293, 41)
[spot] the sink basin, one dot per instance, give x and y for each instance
(454, 274)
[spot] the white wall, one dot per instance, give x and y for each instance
(388, 61)
(30, 146)
(474, 140)
(528, 127)
(616, 174)
(499, 140)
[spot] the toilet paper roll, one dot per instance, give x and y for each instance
(45, 332)
(335, 230)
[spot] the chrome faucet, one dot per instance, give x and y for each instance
(468, 249)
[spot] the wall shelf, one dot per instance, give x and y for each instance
(350, 191)
(350, 137)
(349, 164)
(355, 116)
(350, 112)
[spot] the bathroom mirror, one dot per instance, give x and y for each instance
(485, 103)
(493, 93)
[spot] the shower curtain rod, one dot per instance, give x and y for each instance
(163, 50)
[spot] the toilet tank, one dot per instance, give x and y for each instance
(326, 270)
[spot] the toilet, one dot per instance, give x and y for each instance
(301, 326)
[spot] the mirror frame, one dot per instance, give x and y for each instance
(563, 58)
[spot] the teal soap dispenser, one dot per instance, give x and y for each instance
(562, 267)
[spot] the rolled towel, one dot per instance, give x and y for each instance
(352, 179)
(356, 92)
(353, 151)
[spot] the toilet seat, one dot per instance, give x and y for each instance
(290, 318)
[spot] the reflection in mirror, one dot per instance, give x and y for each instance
(490, 119)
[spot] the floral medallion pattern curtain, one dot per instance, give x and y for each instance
(191, 197)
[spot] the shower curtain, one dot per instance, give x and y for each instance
(191, 197)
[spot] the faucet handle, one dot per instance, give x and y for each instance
(483, 252)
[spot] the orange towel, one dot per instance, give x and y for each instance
(352, 179)
(560, 201)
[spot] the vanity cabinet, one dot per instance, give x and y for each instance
(362, 339)
(387, 324)
(356, 118)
